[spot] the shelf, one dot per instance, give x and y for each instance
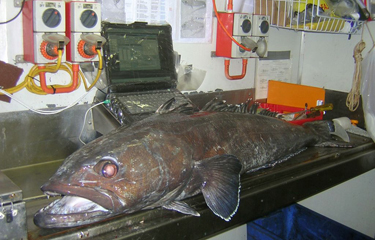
(305, 15)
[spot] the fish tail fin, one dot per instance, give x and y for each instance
(323, 131)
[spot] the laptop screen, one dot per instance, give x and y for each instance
(136, 52)
(139, 54)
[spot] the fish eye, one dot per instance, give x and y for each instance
(106, 168)
(109, 170)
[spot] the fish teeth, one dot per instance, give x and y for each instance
(54, 194)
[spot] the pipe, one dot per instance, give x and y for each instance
(66, 89)
(237, 77)
(230, 6)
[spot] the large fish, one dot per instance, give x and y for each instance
(166, 158)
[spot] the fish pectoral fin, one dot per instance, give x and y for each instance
(181, 207)
(221, 184)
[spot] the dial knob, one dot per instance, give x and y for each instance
(89, 18)
(264, 27)
(51, 17)
(246, 26)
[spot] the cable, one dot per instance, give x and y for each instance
(43, 112)
(84, 119)
(225, 30)
(8, 21)
(43, 89)
(29, 81)
(100, 68)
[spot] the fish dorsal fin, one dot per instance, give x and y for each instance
(221, 184)
(181, 207)
(218, 105)
(173, 106)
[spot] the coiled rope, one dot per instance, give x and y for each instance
(353, 98)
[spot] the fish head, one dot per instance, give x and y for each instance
(110, 176)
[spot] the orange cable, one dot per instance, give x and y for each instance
(225, 30)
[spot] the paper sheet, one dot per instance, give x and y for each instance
(280, 70)
(151, 11)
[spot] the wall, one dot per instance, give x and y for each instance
(321, 60)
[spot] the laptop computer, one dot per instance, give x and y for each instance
(140, 69)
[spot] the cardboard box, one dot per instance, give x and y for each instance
(276, 9)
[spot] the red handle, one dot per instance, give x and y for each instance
(51, 90)
(237, 77)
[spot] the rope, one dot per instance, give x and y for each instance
(353, 98)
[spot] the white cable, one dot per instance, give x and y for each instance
(43, 112)
(84, 121)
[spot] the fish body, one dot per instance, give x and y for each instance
(166, 158)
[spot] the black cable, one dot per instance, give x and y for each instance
(8, 21)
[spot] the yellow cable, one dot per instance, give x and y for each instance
(67, 67)
(100, 68)
(34, 71)
(31, 86)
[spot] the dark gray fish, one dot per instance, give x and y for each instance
(166, 158)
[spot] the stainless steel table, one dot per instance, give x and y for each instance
(262, 192)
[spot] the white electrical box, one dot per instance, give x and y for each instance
(242, 24)
(49, 16)
(261, 26)
(84, 16)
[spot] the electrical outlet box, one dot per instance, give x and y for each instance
(41, 18)
(48, 16)
(261, 26)
(75, 49)
(83, 17)
(242, 24)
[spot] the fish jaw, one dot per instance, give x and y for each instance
(104, 198)
(70, 211)
(78, 206)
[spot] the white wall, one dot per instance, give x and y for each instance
(322, 60)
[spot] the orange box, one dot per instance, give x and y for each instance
(294, 95)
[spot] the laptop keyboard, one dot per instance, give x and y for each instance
(129, 107)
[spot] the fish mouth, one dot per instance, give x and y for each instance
(70, 211)
(78, 206)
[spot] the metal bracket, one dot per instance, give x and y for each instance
(19, 59)
(18, 3)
